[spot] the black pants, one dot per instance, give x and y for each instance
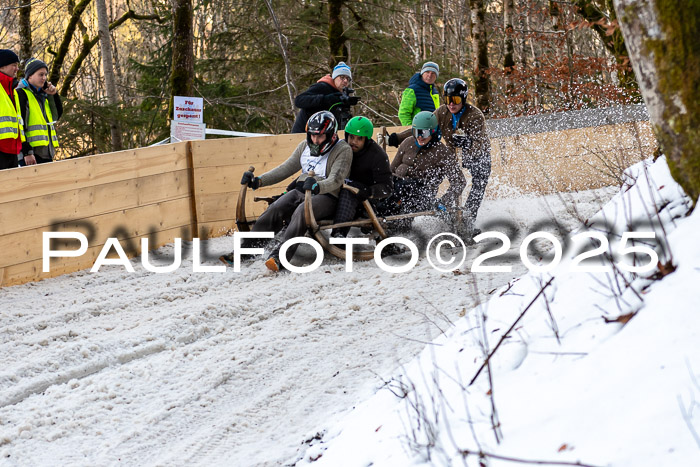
(39, 160)
(410, 195)
(8, 161)
(289, 210)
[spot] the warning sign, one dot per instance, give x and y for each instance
(185, 131)
(188, 109)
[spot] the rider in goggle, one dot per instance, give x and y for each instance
(453, 99)
(418, 133)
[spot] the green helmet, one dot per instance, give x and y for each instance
(425, 124)
(360, 126)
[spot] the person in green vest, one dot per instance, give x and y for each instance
(421, 93)
(10, 127)
(40, 107)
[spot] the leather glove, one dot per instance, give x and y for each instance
(393, 140)
(251, 180)
(462, 141)
(311, 184)
(331, 99)
(363, 193)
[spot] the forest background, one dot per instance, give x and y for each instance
(248, 59)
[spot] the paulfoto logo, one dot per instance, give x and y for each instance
(445, 252)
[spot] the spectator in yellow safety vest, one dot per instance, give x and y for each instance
(10, 131)
(40, 107)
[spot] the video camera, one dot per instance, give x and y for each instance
(346, 101)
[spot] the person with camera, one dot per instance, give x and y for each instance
(370, 173)
(332, 93)
(40, 107)
(321, 152)
(10, 127)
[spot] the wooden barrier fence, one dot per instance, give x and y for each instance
(189, 189)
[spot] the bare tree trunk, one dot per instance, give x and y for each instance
(482, 87)
(282, 41)
(508, 58)
(57, 64)
(108, 70)
(662, 40)
(182, 72)
(336, 33)
(25, 29)
(602, 23)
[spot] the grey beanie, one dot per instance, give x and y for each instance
(430, 66)
(32, 66)
(341, 69)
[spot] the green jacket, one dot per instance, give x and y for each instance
(429, 99)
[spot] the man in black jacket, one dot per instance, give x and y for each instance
(326, 94)
(370, 173)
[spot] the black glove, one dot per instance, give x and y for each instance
(462, 141)
(393, 140)
(330, 99)
(298, 186)
(310, 184)
(251, 180)
(353, 100)
(363, 193)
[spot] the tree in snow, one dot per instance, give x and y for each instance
(662, 40)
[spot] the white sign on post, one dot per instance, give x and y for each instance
(188, 109)
(188, 119)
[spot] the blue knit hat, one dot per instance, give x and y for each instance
(341, 69)
(430, 66)
(8, 57)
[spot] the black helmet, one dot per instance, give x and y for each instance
(321, 123)
(455, 88)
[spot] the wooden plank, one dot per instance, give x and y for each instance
(213, 207)
(253, 150)
(70, 174)
(32, 270)
(80, 203)
(224, 179)
(140, 221)
(216, 229)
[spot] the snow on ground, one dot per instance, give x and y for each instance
(567, 386)
(225, 368)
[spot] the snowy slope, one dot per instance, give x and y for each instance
(608, 393)
(233, 368)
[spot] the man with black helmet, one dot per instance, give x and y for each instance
(370, 172)
(463, 128)
(324, 154)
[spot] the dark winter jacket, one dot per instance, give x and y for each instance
(472, 124)
(45, 152)
(370, 166)
(416, 97)
(431, 164)
(320, 96)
